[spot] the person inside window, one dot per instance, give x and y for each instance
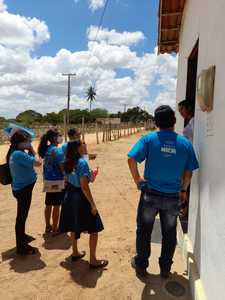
(186, 109)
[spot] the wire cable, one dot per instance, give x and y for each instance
(98, 30)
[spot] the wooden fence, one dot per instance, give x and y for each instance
(103, 132)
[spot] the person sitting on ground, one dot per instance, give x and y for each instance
(79, 213)
(169, 158)
(53, 177)
(186, 109)
(21, 160)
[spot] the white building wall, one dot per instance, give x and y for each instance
(204, 19)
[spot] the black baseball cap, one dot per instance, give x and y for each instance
(164, 117)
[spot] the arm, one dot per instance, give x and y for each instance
(87, 192)
(134, 170)
(92, 156)
(85, 152)
(37, 162)
(186, 180)
(31, 151)
(28, 160)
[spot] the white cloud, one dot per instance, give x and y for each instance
(115, 38)
(93, 4)
(20, 32)
(96, 4)
(28, 82)
(3, 6)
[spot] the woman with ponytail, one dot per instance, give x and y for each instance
(21, 160)
(79, 213)
(53, 177)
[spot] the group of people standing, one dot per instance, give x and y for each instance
(169, 162)
(66, 179)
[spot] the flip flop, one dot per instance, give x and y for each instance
(103, 263)
(77, 257)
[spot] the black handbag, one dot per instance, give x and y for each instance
(5, 175)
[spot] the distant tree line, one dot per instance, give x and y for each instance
(30, 117)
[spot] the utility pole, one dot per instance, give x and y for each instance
(67, 115)
(125, 107)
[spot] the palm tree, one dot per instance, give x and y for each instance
(91, 93)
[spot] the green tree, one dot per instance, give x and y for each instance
(135, 114)
(29, 117)
(52, 118)
(99, 113)
(91, 93)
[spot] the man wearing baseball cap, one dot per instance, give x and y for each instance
(169, 162)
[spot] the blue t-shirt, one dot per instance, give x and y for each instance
(22, 170)
(64, 148)
(52, 160)
(167, 155)
(80, 170)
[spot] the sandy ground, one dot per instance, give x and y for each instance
(51, 275)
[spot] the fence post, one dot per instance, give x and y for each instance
(110, 131)
(65, 128)
(82, 130)
(96, 129)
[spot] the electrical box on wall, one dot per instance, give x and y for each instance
(205, 89)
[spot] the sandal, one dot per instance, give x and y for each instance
(55, 233)
(77, 257)
(48, 229)
(102, 264)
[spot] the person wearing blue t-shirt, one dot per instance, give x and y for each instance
(75, 135)
(21, 160)
(79, 213)
(53, 177)
(169, 162)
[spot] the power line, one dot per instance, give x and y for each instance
(101, 19)
(98, 29)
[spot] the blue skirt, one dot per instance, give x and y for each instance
(76, 214)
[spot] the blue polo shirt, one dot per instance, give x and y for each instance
(52, 160)
(22, 170)
(167, 155)
(80, 170)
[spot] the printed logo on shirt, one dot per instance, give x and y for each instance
(168, 149)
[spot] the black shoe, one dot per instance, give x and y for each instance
(28, 250)
(29, 238)
(164, 274)
(142, 272)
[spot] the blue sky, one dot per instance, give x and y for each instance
(68, 22)
(39, 40)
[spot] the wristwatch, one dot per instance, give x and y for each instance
(183, 191)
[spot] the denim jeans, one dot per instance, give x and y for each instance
(167, 205)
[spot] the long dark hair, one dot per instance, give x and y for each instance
(72, 156)
(48, 138)
(18, 137)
